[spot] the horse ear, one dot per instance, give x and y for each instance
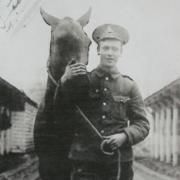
(50, 20)
(83, 20)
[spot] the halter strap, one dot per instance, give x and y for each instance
(50, 75)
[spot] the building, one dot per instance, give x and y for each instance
(17, 116)
(17, 109)
(164, 107)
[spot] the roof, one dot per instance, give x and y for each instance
(13, 97)
(171, 90)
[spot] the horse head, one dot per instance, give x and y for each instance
(68, 43)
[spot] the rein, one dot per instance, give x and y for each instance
(88, 122)
(93, 128)
(50, 75)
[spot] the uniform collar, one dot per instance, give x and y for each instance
(113, 73)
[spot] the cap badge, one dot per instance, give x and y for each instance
(109, 30)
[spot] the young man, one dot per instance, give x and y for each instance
(114, 106)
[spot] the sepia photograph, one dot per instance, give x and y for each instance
(89, 90)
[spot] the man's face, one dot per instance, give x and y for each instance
(109, 50)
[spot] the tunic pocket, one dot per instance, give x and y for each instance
(120, 106)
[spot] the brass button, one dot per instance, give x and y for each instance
(76, 134)
(102, 131)
(79, 170)
(105, 89)
(103, 116)
(106, 78)
(104, 103)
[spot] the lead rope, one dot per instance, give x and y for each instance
(90, 124)
(101, 146)
(119, 165)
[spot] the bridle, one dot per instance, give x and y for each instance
(51, 76)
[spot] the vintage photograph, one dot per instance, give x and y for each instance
(89, 90)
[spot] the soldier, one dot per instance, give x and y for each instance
(114, 106)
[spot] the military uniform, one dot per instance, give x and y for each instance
(114, 105)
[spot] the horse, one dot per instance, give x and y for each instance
(56, 117)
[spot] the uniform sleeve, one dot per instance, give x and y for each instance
(76, 89)
(139, 125)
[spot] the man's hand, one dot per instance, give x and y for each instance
(73, 70)
(115, 141)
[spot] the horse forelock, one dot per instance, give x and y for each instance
(68, 19)
(68, 26)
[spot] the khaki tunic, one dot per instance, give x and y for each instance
(113, 104)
